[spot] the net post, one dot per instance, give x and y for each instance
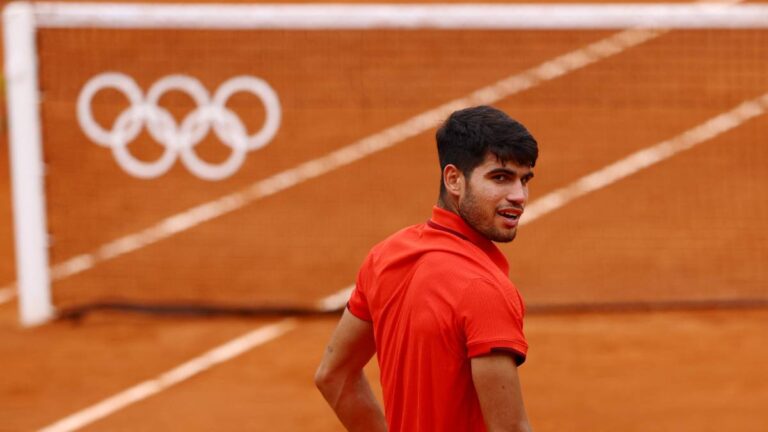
(27, 169)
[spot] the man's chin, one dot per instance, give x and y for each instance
(505, 237)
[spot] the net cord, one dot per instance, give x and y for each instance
(401, 16)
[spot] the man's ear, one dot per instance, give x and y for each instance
(453, 179)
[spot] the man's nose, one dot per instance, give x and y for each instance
(518, 193)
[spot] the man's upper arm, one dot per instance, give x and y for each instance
(498, 389)
(491, 318)
(351, 346)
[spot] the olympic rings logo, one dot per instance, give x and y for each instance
(178, 139)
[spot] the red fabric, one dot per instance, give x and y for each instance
(438, 294)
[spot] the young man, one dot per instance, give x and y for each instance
(434, 301)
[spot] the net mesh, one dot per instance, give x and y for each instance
(686, 229)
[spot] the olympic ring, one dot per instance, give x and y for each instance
(179, 140)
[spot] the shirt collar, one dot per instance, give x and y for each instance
(451, 222)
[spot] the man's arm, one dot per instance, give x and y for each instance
(341, 380)
(498, 388)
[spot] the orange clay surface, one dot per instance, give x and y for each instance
(691, 227)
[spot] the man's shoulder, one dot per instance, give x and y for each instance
(402, 238)
(434, 252)
(450, 268)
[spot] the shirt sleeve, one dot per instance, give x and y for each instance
(358, 303)
(491, 316)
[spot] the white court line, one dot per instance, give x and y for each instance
(552, 201)
(188, 219)
(172, 377)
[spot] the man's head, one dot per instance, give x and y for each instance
(486, 159)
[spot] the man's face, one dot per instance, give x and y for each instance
(494, 198)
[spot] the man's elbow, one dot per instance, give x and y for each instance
(321, 378)
(325, 381)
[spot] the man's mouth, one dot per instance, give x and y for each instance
(510, 214)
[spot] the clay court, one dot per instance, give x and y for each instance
(647, 294)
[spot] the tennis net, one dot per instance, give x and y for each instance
(244, 158)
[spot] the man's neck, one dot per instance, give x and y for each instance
(447, 205)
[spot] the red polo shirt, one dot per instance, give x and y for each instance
(437, 294)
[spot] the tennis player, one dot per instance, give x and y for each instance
(434, 300)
